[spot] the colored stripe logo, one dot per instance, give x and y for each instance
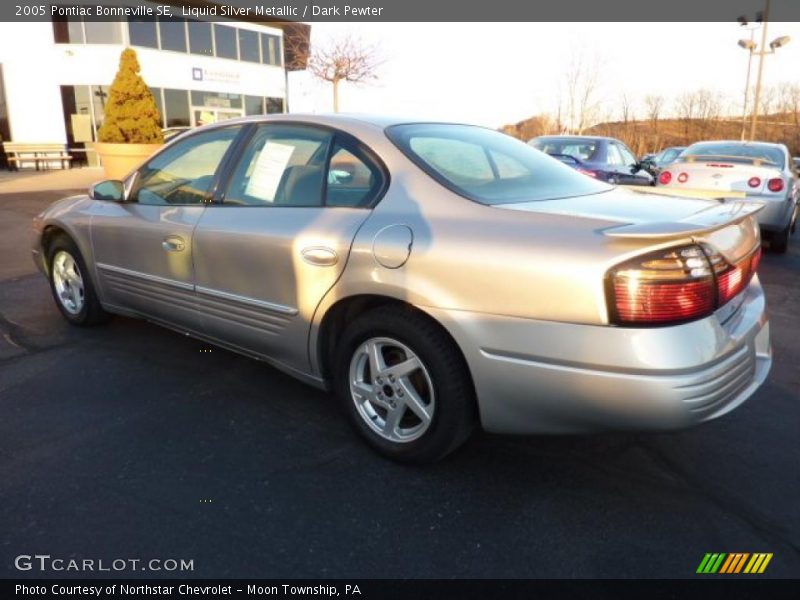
(735, 562)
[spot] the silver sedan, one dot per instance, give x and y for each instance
(436, 277)
(759, 172)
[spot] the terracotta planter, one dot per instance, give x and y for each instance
(120, 159)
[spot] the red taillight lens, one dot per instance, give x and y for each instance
(683, 178)
(587, 172)
(775, 185)
(754, 182)
(664, 287)
(676, 285)
(665, 177)
(734, 279)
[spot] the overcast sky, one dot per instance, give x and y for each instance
(497, 73)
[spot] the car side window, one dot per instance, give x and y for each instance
(182, 174)
(281, 166)
(614, 156)
(627, 156)
(353, 179)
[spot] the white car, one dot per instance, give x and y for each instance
(759, 171)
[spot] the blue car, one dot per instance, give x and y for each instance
(603, 158)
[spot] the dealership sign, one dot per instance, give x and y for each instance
(214, 75)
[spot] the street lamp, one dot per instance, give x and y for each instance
(750, 46)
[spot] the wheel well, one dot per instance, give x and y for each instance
(50, 233)
(347, 309)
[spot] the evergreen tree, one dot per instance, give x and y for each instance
(131, 114)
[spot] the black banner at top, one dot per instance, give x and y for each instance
(366, 11)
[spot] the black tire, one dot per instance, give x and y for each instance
(455, 412)
(779, 242)
(91, 312)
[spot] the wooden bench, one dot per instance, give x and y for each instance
(41, 155)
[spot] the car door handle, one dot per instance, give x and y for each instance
(173, 243)
(320, 256)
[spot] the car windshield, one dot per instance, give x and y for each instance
(669, 155)
(487, 166)
(735, 150)
(582, 149)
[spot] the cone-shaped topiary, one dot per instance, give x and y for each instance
(131, 114)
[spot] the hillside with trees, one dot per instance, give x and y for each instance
(655, 123)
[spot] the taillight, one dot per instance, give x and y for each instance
(683, 178)
(775, 184)
(754, 182)
(587, 172)
(665, 177)
(676, 285)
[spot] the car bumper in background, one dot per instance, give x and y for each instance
(545, 377)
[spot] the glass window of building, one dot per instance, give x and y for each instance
(5, 131)
(68, 31)
(173, 34)
(99, 99)
(274, 105)
(159, 102)
(200, 38)
(216, 100)
(225, 41)
(176, 108)
(253, 105)
(248, 46)
(78, 122)
(143, 33)
(271, 53)
(103, 32)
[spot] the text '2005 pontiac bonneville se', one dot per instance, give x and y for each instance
(436, 277)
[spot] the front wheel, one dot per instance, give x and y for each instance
(404, 385)
(71, 286)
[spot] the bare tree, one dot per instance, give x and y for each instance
(582, 82)
(625, 108)
(344, 59)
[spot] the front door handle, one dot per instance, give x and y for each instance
(320, 256)
(173, 243)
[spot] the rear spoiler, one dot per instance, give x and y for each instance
(714, 217)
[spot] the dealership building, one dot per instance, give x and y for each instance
(55, 75)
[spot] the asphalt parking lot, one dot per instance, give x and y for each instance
(130, 441)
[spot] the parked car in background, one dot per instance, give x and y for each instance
(796, 161)
(603, 158)
(763, 172)
(435, 276)
(655, 163)
(171, 132)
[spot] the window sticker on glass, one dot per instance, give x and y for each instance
(268, 171)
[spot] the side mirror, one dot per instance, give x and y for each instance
(111, 191)
(636, 167)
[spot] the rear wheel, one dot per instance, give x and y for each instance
(71, 285)
(779, 242)
(404, 385)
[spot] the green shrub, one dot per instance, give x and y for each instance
(131, 114)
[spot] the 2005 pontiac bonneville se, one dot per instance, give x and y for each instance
(435, 276)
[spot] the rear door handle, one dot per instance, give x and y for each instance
(320, 256)
(173, 243)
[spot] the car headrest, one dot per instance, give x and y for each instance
(302, 186)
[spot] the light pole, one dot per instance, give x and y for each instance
(774, 45)
(748, 45)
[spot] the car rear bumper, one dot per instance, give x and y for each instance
(545, 377)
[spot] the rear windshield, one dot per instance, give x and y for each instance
(582, 149)
(732, 151)
(487, 166)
